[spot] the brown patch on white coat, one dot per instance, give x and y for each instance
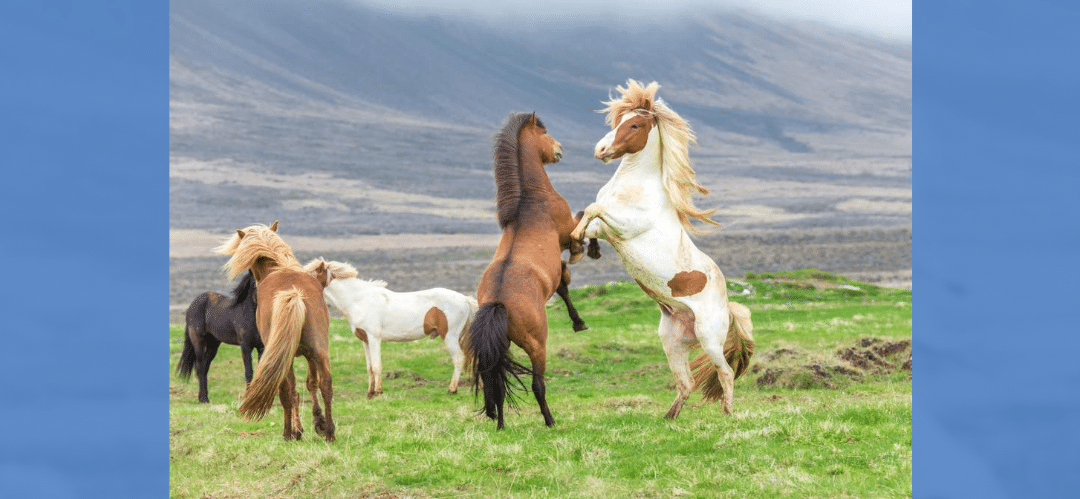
(435, 323)
(687, 283)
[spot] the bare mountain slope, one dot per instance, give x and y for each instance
(342, 119)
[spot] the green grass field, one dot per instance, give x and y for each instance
(824, 412)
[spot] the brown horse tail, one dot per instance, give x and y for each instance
(738, 348)
(492, 363)
(463, 338)
(286, 323)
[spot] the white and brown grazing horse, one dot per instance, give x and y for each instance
(377, 314)
(645, 212)
(293, 320)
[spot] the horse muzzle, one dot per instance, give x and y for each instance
(603, 155)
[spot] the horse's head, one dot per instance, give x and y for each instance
(629, 137)
(320, 271)
(550, 149)
(632, 118)
(259, 248)
(325, 272)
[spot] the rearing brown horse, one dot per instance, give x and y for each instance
(527, 268)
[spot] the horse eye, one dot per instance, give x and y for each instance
(633, 127)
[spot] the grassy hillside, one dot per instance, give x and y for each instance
(824, 412)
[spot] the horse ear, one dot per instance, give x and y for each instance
(273, 226)
(239, 233)
(325, 270)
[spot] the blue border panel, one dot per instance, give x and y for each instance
(996, 162)
(84, 196)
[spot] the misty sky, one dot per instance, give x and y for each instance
(887, 18)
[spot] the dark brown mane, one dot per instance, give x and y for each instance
(508, 174)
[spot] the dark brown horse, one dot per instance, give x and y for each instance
(293, 320)
(527, 267)
(213, 319)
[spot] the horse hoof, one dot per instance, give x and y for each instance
(580, 326)
(575, 257)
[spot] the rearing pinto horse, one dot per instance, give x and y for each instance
(527, 267)
(645, 211)
(293, 320)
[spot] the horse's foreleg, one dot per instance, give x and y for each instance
(578, 234)
(564, 292)
(677, 350)
(594, 248)
(624, 226)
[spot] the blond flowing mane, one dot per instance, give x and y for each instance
(337, 270)
(676, 136)
(250, 244)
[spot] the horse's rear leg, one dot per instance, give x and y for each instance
(326, 386)
(290, 407)
(564, 292)
(673, 337)
(538, 356)
(457, 357)
(712, 334)
(245, 354)
(313, 389)
(202, 365)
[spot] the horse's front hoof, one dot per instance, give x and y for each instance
(594, 249)
(575, 257)
(580, 326)
(371, 395)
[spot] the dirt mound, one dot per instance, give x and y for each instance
(793, 368)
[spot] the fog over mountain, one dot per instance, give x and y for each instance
(342, 119)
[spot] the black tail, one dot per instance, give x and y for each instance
(492, 363)
(187, 358)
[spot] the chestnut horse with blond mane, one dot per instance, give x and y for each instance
(293, 320)
(645, 212)
(527, 267)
